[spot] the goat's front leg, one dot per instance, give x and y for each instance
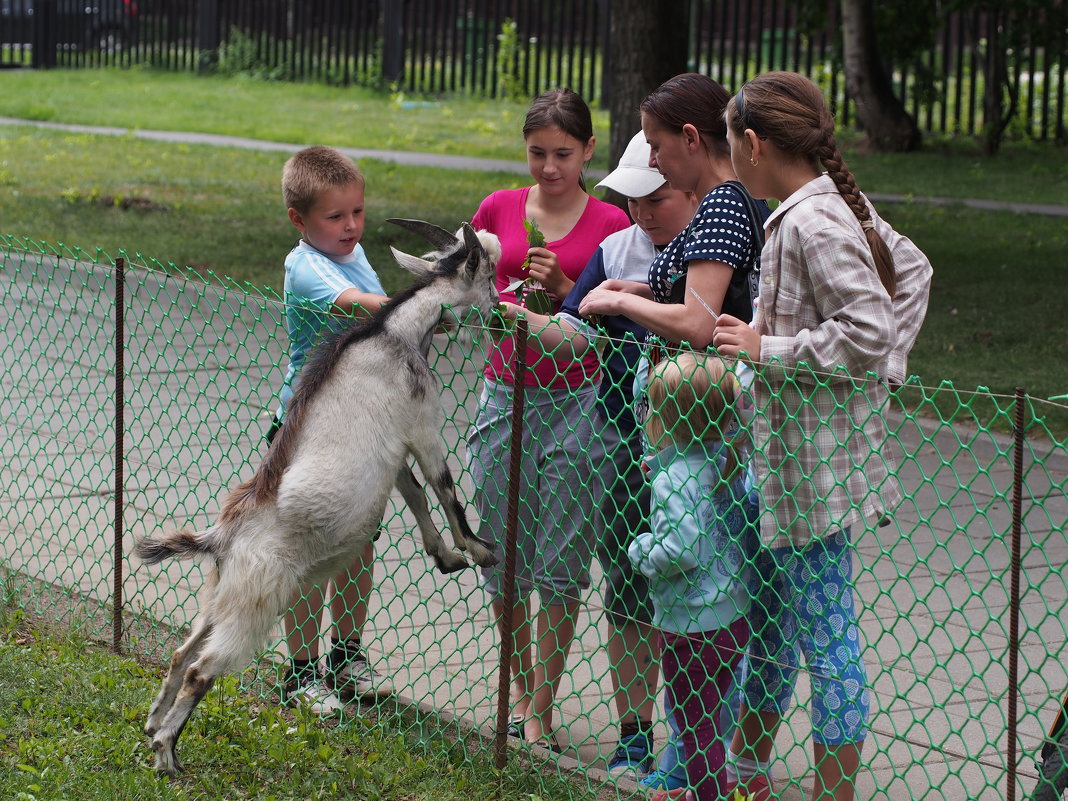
(447, 561)
(432, 462)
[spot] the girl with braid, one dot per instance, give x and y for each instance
(842, 298)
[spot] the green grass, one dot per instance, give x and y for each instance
(204, 207)
(71, 715)
(994, 318)
(1024, 172)
(279, 112)
(311, 113)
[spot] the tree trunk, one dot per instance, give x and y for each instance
(646, 45)
(996, 116)
(887, 125)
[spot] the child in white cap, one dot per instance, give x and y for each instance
(622, 263)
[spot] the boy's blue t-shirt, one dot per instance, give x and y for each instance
(313, 282)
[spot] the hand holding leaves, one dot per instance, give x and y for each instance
(532, 294)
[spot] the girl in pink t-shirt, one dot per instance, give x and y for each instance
(556, 506)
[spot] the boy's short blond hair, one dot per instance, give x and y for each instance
(312, 171)
(691, 399)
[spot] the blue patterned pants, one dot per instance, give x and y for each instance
(805, 605)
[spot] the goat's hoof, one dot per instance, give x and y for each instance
(166, 759)
(450, 562)
(482, 556)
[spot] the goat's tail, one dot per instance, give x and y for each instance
(182, 543)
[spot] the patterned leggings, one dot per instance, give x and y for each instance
(805, 605)
(699, 672)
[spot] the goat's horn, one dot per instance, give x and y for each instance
(471, 239)
(435, 235)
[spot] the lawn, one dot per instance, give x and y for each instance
(994, 319)
(71, 715)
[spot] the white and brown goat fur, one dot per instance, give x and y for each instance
(367, 401)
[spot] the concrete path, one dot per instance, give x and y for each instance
(201, 367)
(470, 163)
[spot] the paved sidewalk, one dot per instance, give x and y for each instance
(471, 163)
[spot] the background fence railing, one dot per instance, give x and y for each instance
(498, 48)
(201, 364)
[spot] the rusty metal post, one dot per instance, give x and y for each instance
(1014, 597)
(120, 378)
(515, 455)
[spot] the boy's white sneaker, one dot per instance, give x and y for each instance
(317, 698)
(357, 679)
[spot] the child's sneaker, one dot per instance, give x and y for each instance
(758, 788)
(355, 678)
(633, 757)
(658, 780)
(315, 696)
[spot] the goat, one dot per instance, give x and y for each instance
(367, 399)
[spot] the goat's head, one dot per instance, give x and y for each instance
(463, 267)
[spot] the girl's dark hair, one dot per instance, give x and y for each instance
(695, 99)
(563, 109)
(790, 110)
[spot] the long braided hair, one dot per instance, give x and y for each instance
(789, 110)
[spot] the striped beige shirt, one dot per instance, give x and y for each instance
(830, 337)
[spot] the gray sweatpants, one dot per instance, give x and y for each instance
(555, 535)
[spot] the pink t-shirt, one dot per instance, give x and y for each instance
(502, 213)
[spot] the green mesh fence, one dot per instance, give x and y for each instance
(962, 627)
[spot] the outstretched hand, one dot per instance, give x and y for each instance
(600, 301)
(734, 337)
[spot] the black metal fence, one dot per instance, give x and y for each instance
(512, 48)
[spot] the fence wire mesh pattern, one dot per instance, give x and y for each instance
(962, 678)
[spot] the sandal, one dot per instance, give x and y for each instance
(549, 743)
(515, 726)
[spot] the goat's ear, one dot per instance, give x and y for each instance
(435, 235)
(471, 240)
(474, 258)
(413, 264)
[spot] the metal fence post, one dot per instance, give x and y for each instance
(515, 455)
(1014, 597)
(120, 429)
(43, 31)
(207, 35)
(392, 41)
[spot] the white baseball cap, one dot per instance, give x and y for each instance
(633, 177)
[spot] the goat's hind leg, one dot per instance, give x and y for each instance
(240, 616)
(184, 656)
(447, 561)
(196, 681)
(180, 662)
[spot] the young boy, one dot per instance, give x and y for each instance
(327, 276)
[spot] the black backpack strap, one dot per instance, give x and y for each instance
(755, 220)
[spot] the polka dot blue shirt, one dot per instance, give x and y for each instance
(720, 231)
